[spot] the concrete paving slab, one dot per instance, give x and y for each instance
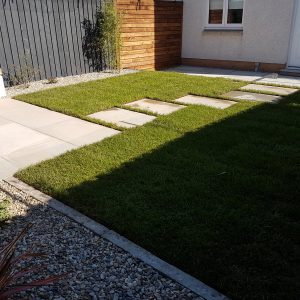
(14, 137)
(123, 117)
(7, 169)
(38, 152)
(288, 81)
(155, 106)
(219, 73)
(78, 132)
(270, 89)
(31, 134)
(94, 137)
(7, 104)
(212, 102)
(260, 77)
(237, 95)
(4, 121)
(30, 115)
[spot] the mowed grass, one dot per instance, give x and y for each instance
(215, 192)
(84, 99)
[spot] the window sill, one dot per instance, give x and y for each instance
(208, 28)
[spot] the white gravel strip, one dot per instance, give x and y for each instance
(37, 86)
(99, 269)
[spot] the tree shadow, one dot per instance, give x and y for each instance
(221, 202)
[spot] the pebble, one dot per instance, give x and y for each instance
(97, 268)
(41, 85)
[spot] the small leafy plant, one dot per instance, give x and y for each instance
(102, 40)
(23, 74)
(110, 41)
(8, 273)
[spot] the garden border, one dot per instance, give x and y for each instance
(163, 267)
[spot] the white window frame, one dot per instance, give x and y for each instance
(224, 25)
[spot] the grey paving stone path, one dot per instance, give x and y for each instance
(219, 73)
(270, 89)
(123, 117)
(280, 80)
(155, 106)
(238, 95)
(30, 134)
(212, 102)
(250, 76)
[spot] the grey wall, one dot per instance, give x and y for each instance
(265, 36)
(48, 32)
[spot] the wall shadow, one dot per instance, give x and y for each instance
(222, 202)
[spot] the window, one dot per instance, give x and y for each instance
(226, 14)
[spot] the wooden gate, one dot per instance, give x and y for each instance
(151, 33)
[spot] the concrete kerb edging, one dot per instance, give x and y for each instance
(163, 267)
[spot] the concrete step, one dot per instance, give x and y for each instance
(294, 72)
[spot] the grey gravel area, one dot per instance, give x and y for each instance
(37, 86)
(98, 269)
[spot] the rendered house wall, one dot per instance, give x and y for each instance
(265, 37)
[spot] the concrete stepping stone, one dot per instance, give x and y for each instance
(123, 117)
(212, 102)
(270, 89)
(155, 106)
(237, 95)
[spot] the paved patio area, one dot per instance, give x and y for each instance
(30, 134)
(259, 77)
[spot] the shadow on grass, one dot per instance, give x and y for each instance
(222, 203)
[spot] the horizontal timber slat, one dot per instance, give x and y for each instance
(149, 56)
(150, 46)
(145, 37)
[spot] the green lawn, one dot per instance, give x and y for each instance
(84, 99)
(215, 192)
